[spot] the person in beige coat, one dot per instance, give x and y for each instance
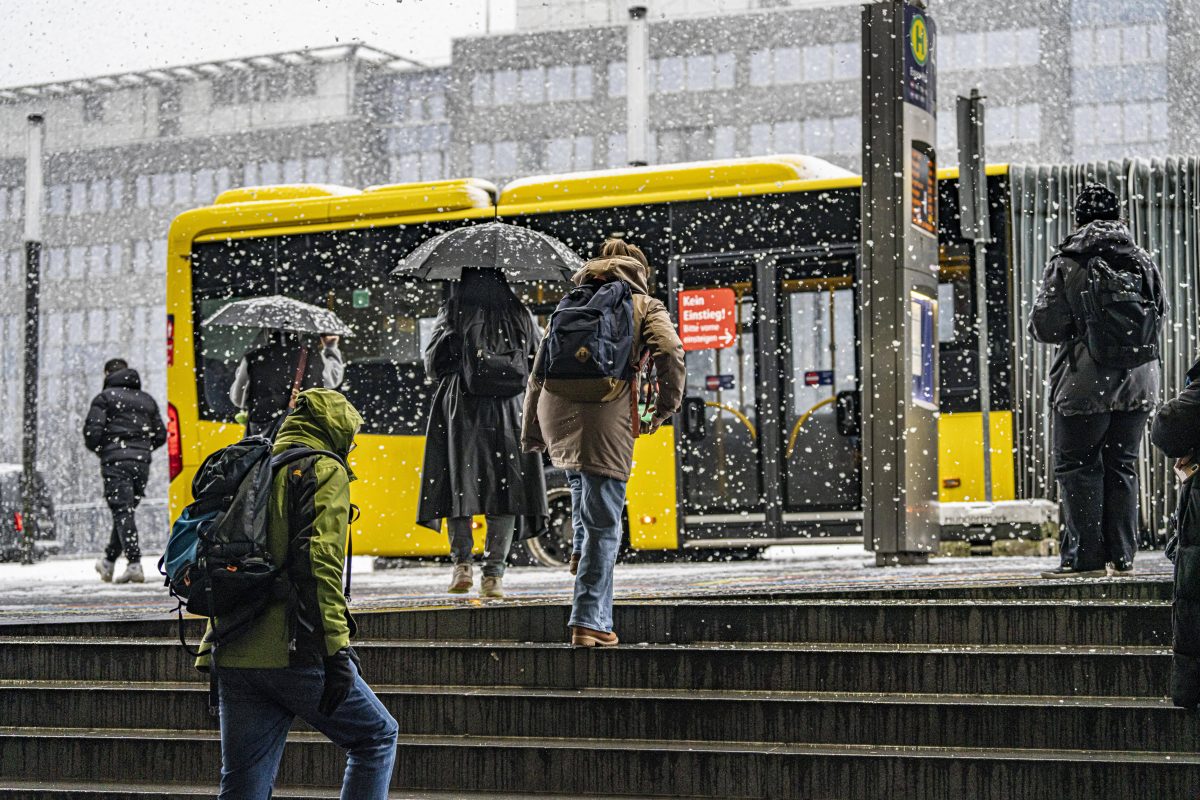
(593, 441)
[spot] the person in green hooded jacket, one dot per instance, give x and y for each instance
(296, 659)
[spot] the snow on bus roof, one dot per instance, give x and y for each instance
(661, 178)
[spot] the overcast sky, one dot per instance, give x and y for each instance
(51, 40)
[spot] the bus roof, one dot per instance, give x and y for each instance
(671, 182)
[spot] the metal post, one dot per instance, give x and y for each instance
(637, 96)
(975, 226)
(898, 284)
(33, 253)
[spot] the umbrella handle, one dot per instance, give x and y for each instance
(299, 379)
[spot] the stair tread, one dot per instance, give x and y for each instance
(748, 695)
(136, 788)
(803, 749)
(843, 647)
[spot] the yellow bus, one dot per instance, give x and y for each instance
(766, 449)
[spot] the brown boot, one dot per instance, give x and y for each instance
(461, 580)
(586, 637)
(574, 563)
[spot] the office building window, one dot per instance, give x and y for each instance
(818, 63)
(668, 74)
(116, 193)
(293, 170)
(182, 186)
(616, 150)
(998, 49)
(616, 79)
(79, 198)
(762, 71)
(270, 173)
(504, 87)
(533, 85)
(1119, 124)
(16, 203)
(583, 81)
(725, 68)
(560, 82)
(98, 196)
(569, 153)
(724, 142)
(481, 89)
(160, 189)
(701, 72)
(76, 262)
(1132, 44)
(785, 65)
(93, 108)
(57, 196)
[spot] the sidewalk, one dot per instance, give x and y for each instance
(65, 588)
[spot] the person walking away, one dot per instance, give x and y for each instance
(123, 426)
(262, 385)
(295, 659)
(589, 426)
(1176, 431)
(483, 342)
(1102, 303)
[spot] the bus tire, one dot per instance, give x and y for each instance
(553, 548)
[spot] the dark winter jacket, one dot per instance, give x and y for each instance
(123, 423)
(1176, 431)
(473, 461)
(308, 522)
(270, 373)
(1058, 318)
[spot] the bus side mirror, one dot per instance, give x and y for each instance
(692, 412)
(849, 413)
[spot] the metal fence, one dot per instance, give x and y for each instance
(84, 528)
(1162, 202)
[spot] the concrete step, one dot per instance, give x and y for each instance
(932, 720)
(88, 790)
(967, 669)
(637, 768)
(948, 622)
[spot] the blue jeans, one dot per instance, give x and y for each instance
(596, 506)
(575, 481)
(257, 709)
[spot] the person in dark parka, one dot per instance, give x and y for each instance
(123, 427)
(473, 461)
(1176, 431)
(262, 385)
(1100, 411)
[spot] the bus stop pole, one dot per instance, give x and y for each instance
(974, 225)
(898, 288)
(637, 93)
(33, 253)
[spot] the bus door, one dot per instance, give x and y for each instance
(818, 372)
(719, 432)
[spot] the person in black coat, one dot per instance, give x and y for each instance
(1176, 431)
(473, 461)
(262, 385)
(1100, 411)
(123, 427)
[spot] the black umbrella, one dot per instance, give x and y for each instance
(279, 313)
(522, 254)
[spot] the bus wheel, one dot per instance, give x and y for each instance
(553, 548)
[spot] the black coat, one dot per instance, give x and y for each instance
(1057, 318)
(123, 423)
(272, 370)
(1176, 431)
(473, 460)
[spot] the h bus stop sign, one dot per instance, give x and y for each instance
(707, 318)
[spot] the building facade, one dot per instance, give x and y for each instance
(1066, 80)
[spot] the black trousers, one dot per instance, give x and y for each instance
(124, 487)
(1095, 462)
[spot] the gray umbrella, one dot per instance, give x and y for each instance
(279, 313)
(522, 254)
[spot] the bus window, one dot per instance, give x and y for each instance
(956, 327)
(384, 375)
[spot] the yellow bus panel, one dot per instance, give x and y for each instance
(651, 500)
(960, 460)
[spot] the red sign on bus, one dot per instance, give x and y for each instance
(707, 319)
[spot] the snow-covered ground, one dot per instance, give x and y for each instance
(63, 588)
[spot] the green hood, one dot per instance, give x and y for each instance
(323, 419)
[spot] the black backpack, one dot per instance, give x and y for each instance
(588, 348)
(495, 353)
(217, 563)
(1121, 314)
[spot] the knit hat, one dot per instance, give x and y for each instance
(1096, 202)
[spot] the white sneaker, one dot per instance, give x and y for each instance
(132, 574)
(105, 568)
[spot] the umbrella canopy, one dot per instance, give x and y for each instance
(522, 254)
(279, 313)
